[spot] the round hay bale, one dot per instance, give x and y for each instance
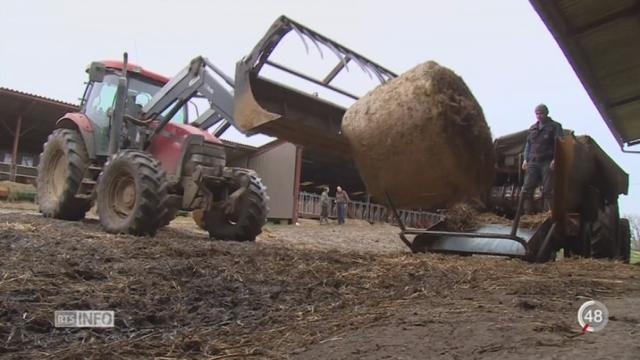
(422, 138)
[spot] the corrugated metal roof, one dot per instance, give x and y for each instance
(39, 97)
(601, 41)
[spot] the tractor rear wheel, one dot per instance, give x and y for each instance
(245, 223)
(63, 162)
(624, 240)
(604, 235)
(132, 194)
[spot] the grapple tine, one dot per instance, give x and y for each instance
(306, 47)
(345, 61)
(302, 32)
(337, 53)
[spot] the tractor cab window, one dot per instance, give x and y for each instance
(179, 117)
(101, 99)
(142, 92)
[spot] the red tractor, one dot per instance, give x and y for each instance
(134, 150)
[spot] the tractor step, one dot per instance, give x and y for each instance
(89, 182)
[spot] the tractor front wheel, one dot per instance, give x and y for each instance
(132, 194)
(63, 163)
(249, 215)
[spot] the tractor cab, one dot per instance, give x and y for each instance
(99, 100)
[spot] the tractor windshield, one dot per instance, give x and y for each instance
(142, 91)
(103, 94)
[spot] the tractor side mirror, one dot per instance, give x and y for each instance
(96, 71)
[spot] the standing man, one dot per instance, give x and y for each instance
(539, 157)
(324, 206)
(342, 199)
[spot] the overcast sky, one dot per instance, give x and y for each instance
(500, 47)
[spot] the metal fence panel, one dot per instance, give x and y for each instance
(309, 206)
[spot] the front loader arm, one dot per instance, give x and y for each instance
(193, 81)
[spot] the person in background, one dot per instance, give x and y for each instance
(539, 156)
(324, 206)
(342, 199)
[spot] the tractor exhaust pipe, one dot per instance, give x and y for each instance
(115, 132)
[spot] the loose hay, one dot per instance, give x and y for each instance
(180, 295)
(464, 217)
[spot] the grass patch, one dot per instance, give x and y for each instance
(635, 257)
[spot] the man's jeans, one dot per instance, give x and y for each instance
(342, 211)
(537, 172)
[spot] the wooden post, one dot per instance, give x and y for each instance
(368, 209)
(14, 156)
(296, 183)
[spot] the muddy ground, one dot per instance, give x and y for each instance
(302, 292)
